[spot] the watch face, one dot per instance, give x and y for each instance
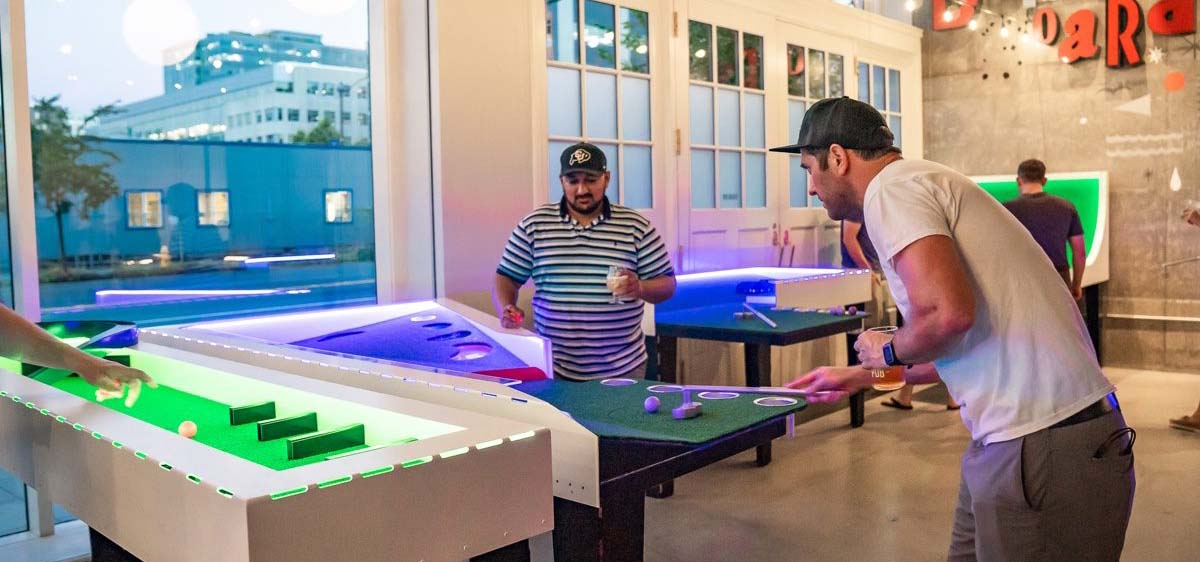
(888, 357)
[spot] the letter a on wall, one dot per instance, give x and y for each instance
(966, 11)
(1080, 42)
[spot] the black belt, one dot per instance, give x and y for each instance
(1093, 411)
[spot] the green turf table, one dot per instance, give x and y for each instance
(639, 451)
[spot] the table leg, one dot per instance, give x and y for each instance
(576, 531)
(858, 399)
(758, 373)
(857, 403)
(622, 525)
(668, 351)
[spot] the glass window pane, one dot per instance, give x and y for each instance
(893, 90)
(601, 105)
(562, 30)
(6, 290)
(894, 125)
(877, 87)
(635, 108)
(752, 55)
(635, 41)
(210, 68)
(816, 74)
(836, 76)
(338, 207)
(730, 178)
(563, 102)
(614, 165)
(599, 34)
(728, 118)
(797, 183)
(795, 71)
(864, 82)
(639, 177)
(699, 51)
(553, 153)
(703, 180)
(727, 59)
(700, 114)
(755, 120)
(13, 518)
(756, 180)
(795, 118)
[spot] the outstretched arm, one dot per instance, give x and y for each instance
(24, 341)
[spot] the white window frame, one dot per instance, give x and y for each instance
(332, 214)
(742, 149)
(582, 68)
(887, 92)
(811, 202)
(204, 208)
(146, 209)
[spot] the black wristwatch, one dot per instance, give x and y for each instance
(889, 356)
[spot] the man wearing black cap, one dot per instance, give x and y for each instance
(1049, 472)
(568, 249)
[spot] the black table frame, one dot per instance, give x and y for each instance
(628, 469)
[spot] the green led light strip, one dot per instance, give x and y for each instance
(454, 452)
(195, 479)
(335, 482)
(225, 492)
(118, 444)
(289, 493)
(488, 444)
(165, 466)
(97, 435)
(139, 455)
(377, 471)
(416, 462)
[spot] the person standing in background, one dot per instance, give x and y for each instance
(1053, 222)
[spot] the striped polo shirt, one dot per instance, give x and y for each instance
(592, 337)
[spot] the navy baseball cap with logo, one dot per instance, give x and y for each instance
(843, 121)
(583, 157)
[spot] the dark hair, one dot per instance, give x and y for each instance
(1032, 171)
(822, 154)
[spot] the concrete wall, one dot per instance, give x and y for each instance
(1075, 118)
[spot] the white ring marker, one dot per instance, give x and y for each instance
(665, 388)
(618, 382)
(423, 318)
(776, 401)
(714, 395)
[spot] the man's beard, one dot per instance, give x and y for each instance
(585, 210)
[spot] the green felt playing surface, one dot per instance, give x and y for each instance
(721, 316)
(618, 411)
(166, 408)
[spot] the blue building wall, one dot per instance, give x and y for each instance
(276, 201)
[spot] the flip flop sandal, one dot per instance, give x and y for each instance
(1185, 424)
(893, 403)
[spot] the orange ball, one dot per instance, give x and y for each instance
(187, 429)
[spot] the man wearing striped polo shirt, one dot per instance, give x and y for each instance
(567, 248)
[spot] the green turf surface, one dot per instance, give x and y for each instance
(720, 316)
(166, 408)
(619, 412)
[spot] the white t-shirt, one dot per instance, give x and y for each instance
(1027, 362)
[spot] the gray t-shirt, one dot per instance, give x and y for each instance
(1027, 362)
(1051, 220)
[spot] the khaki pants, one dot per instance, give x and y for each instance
(1046, 497)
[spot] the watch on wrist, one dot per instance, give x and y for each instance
(889, 356)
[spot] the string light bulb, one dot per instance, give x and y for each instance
(973, 24)
(947, 16)
(910, 5)
(1004, 32)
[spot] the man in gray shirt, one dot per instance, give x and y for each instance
(1053, 222)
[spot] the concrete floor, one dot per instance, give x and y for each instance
(824, 497)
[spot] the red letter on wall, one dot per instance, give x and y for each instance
(1124, 23)
(1081, 37)
(1045, 22)
(966, 11)
(1172, 17)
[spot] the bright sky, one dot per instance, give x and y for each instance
(79, 48)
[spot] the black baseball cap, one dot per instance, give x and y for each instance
(844, 121)
(582, 157)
